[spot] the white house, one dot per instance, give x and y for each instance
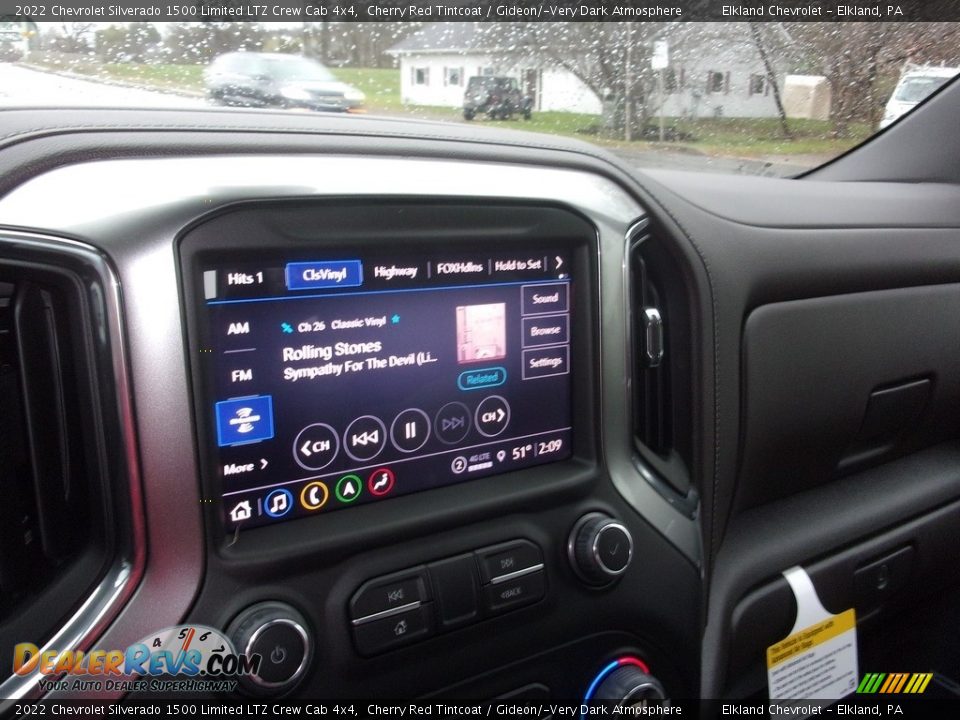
(715, 70)
(436, 61)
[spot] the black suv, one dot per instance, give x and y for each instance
(498, 97)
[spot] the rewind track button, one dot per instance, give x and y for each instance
(365, 438)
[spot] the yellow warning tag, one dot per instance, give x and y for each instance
(810, 637)
(818, 659)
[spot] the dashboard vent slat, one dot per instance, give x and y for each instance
(652, 417)
(20, 547)
(660, 367)
(47, 379)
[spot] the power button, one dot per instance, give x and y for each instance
(282, 647)
(278, 635)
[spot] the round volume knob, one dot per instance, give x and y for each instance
(629, 685)
(600, 548)
(278, 634)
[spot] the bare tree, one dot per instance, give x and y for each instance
(611, 59)
(761, 43)
(70, 37)
(860, 59)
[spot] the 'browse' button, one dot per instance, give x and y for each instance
(545, 330)
(326, 274)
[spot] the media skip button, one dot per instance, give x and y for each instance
(452, 423)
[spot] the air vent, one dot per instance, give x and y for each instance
(653, 418)
(660, 365)
(64, 489)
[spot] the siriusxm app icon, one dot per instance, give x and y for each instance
(244, 420)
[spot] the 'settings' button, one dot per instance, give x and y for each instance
(544, 362)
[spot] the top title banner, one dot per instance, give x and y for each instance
(484, 10)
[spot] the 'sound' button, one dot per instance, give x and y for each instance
(365, 438)
(316, 446)
(452, 423)
(493, 415)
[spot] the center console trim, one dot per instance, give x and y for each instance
(134, 209)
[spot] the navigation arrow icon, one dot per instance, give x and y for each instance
(559, 262)
(306, 449)
(263, 463)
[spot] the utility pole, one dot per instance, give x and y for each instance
(627, 88)
(662, 101)
(660, 61)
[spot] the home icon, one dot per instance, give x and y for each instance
(241, 512)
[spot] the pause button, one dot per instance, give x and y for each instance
(410, 430)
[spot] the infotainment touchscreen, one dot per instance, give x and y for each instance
(342, 379)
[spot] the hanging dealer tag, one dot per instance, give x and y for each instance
(818, 659)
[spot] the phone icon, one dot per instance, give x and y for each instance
(314, 495)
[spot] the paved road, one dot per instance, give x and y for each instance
(24, 87)
(772, 167)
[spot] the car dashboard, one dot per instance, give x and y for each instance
(418, 413)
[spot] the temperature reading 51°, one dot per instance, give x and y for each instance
(522, 452)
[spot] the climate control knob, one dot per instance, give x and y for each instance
(278, 634)
(631, 686)
(600, 548)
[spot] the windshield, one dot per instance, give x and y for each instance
(915, 89)
(295, 68)
(764, 97)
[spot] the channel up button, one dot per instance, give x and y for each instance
(452, 423)
(493, 415)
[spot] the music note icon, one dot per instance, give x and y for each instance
(278, 503)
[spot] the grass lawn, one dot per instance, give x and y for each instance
(741, 137)
(380, 85)
(187, 77)
(762, 136)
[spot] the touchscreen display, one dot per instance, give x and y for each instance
(336, 381)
